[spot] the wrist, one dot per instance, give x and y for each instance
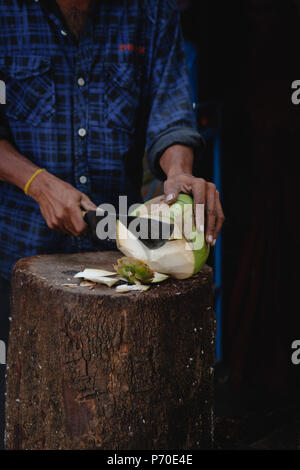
(177, 160)
(39, 185)
(177, 170)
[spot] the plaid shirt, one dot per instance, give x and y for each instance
(87, 110)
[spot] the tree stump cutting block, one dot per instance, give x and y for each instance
(95, 369)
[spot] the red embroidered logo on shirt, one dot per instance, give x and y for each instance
(132, 48)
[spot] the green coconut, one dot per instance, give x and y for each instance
(183, 255)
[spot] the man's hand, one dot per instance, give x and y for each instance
(203, 193)
(177, 163)
(60, 203)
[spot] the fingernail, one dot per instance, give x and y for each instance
(170, 197)
(210, 239)
(214, 242)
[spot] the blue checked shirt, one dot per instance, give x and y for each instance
(86, 110)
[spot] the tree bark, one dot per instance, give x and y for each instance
(94, 369)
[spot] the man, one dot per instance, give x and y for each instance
(89, 86)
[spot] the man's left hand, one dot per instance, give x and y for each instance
(203, 193)
(177, 163)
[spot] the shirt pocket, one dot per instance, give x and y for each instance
(30, 91)
(122, 93)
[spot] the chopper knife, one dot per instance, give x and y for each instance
(154, 233)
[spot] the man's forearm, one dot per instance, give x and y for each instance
(176, 160)
(14, 168)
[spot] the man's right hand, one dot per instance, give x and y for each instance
(60, 203)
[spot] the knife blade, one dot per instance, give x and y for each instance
(153, 233)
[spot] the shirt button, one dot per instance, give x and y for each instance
(83, 179)
(81, 81)
(63, 32)
(82, 132)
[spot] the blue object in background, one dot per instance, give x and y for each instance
(192, 56)
(218, 248)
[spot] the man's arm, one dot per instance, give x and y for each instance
(173, 142)
(59, 202)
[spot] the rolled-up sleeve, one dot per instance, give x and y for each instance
(171, 116)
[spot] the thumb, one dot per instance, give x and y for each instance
(171, 192)
(87, 204)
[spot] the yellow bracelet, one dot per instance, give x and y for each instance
(27, 185)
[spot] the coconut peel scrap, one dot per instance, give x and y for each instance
(95, 273)
(131, 270)
(87, 284)
(122, 289)
(108, 281)
(159, 277)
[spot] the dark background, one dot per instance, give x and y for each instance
(249, 55)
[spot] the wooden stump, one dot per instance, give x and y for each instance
(93, 369)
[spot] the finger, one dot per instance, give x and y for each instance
(52, 221)
(58, 226)
(171, 192)
(87, 204)
(220, 217)
(70, 231)
(69, 227)
(186, 188)
(75, 222)
(59, 221)
(198, 189)
(210, 212)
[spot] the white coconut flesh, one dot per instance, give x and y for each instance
(131, 287)
(159, 277)
(95, 273)
(175, 257)
(108, 281)
(101, 276)
(181, 256)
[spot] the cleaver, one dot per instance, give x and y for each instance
(153, 233)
